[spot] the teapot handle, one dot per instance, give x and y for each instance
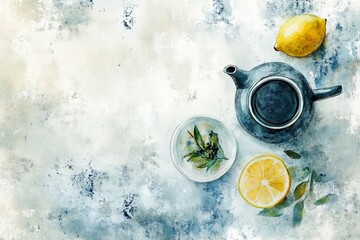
(323, 93)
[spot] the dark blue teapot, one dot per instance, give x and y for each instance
(274, 101)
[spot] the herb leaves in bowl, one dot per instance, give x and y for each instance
(203, 148)
(207, 155)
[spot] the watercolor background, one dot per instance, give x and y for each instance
(91, 91)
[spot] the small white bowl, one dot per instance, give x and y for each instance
(182, 143)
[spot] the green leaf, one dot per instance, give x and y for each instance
(203, 165)
(198, 139)
(306, 169)
(325, 199)
(214, 139)
(298, 174)
(220, 154)
(298, 213)
(293, 170)
(285, 203)
(191, 154)
(292, 154)
(197, 159)
(271, 212)
(191, 134)
(188, 155)
(300, 190)
(316, 178)
(278, 209)
(210, 163)
(312, 181)
(217, 165)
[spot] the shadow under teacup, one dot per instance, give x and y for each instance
(275, 102)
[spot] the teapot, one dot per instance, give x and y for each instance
(274, 101)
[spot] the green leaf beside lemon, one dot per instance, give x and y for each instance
(302, 192)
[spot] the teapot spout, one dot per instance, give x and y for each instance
(240, 77)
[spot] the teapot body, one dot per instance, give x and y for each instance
(274, 101)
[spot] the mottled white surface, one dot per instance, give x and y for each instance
(91, 91)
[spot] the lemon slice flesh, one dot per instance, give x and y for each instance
(264, 182)
(301, 35)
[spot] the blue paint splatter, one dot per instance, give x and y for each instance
(212, 203)
(339, 27)
(129, 207)
(85, 180)
(219, 17)
(156, 226)
(324, 63)
(286, 8)
(73, 14)
(326, 60)
(125, 176)
(334, 61)
(128, 18)
(221, 12)
(76, 222)
(186, 226)
(58, 215)
(302, 6)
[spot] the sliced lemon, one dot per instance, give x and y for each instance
(265, 181)
(301, 35)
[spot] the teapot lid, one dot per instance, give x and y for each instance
(275, 102)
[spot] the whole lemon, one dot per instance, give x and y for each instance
(301, 35)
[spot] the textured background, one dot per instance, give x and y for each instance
(91, 91)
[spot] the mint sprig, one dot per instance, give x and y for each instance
(207, 155)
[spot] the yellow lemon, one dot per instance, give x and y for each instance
(264, 182)
(301, 35)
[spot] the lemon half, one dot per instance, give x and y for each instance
(301, 35)
(264, 182)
